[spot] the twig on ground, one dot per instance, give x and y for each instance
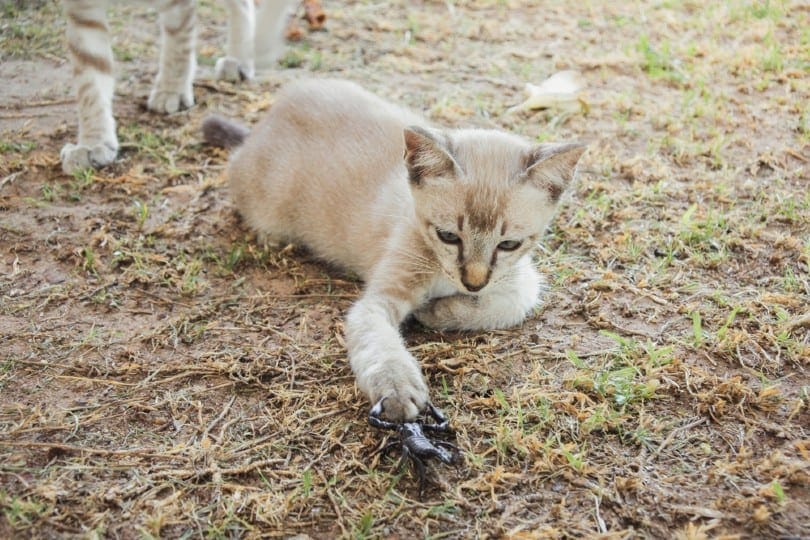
(800, 321)
(672, 434)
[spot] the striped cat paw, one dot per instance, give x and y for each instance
(168, 102)
(231, 69)
(76, 157)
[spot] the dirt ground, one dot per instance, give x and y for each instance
(164, 374)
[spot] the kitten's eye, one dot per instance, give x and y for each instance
(509, 245)
(447, 237)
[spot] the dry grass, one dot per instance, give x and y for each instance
(164, 375)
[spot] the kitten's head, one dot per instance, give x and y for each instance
(483, 198)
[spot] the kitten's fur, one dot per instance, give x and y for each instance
(90, 50)
(325, 168)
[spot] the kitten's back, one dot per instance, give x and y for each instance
(325, 168)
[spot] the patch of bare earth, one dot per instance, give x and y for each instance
(162, 374)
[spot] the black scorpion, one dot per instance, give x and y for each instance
(416, 447)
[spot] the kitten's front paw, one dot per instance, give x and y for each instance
(404, 389)
(231, 69)
(167, 102)
(76, 157)
(447, 313)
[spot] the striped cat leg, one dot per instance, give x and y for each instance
(237, 65)
(88, 41)
(271, 21)
(173, 86)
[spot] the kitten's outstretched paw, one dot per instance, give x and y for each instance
(231, 69)
(76, 157)
(399, 408)
(406, 394)
(167, 102)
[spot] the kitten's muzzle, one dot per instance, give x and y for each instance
(475, 276)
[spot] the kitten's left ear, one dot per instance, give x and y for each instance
(552, 167)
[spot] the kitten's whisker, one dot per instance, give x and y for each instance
(416, 258)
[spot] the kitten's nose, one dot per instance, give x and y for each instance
(475, 276)
(473, 288)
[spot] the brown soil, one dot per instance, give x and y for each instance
(163, 374)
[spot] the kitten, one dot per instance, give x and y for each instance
(88, 38)
(440, 224)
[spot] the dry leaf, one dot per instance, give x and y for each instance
(314, 14)
(560, 89)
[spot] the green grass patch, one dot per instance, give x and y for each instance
(658, 61)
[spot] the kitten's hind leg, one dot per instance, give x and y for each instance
(237, 64)
(173, 86)
(88, 41)
(506, 304)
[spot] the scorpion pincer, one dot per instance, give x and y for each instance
(416, 446)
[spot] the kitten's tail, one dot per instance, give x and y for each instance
(219, 131)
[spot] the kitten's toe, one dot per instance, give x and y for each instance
(397, 410)
(168, 102)
(231, 69)
(76, 157)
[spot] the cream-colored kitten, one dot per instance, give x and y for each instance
(440, 224)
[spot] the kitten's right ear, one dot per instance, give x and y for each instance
(426, 155)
